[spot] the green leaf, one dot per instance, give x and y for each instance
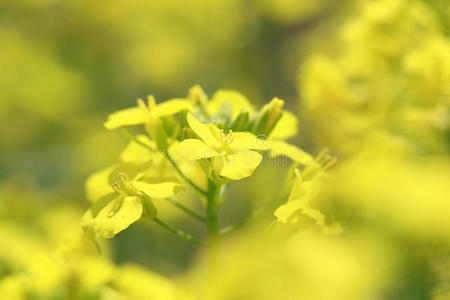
(241, 164)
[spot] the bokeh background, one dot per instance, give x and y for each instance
(356, 73)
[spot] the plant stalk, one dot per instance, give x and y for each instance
(185, 178)
(212, 224)
(178, 232)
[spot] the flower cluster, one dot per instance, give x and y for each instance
(389, 81)
(226, 137)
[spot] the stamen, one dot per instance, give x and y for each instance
(151, 102)
(116, 187)
(330, 163)
(322, 154)
(123, 177)
(141, 103)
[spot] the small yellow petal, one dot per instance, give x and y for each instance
(207, 132)
(136, 153)
(191, 149)
(114, 217)
(98, 185)
(238, 102)
(284, 212)
(298, 189)
(280, 148)
(171, 107)
(241, 164)
(158, 188)
(247, 140)
(126, 117)
(286, 127)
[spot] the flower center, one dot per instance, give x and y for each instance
(124, 186)
(225, 140)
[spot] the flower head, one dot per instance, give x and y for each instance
(235, 149)
(122, 195)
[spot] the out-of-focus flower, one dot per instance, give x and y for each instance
(390, 79)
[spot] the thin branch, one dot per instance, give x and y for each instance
(174, 164)
(178, 232)
(133, 138)
(187, 209)
(254, 215)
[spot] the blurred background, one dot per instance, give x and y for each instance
(357, 73)
(66, 65)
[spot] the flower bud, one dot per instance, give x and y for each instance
(151, 102)
(199, 97)
(268, 117)
(241, 122)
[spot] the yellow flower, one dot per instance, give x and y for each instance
(297, 212)
(233, 151)
(129, 199)
(143, 113)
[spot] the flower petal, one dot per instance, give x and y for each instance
(298, 189)
(125, 117)
(247, 140)
(300, 213)
(284, 212)
(112, 218)
(97, 184)
(191, 149)
(171, 107)
(238, 102)
(241, 164)
(280, 148)
(207, 132)
(136, 153)
(286, 127)
(158, 187)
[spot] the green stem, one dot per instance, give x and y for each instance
(211, 210)
(175, 166)
(212, 226)
(178, 232)
(133, 138)
(187, 209)
(270, 206)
